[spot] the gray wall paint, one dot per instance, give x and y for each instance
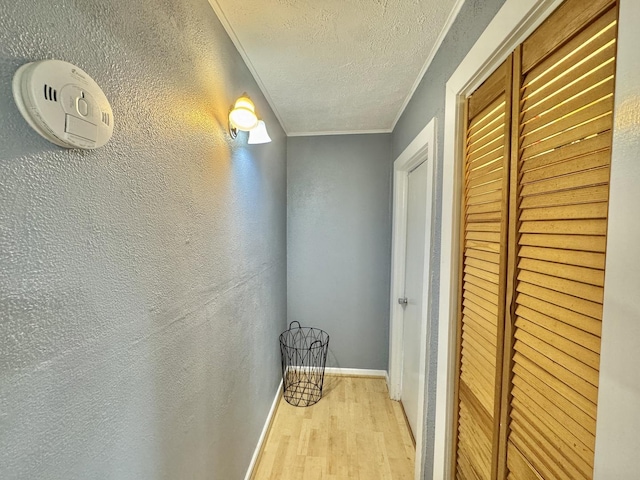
(339, 243)
(428, 102)
(142, 285)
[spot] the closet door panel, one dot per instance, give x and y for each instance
(533, 246)
(564, 23)
(561, 208)
(483, 250)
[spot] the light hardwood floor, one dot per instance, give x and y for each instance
(354, 432)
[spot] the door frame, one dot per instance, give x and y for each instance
(421, 149)
(513, 23)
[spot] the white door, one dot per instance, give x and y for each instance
(414, 291)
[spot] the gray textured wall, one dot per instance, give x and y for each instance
(142, 285)
(339, 243)
(428, 102)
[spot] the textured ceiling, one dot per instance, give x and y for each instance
(337, 66)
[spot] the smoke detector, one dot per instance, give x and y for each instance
(63, 104)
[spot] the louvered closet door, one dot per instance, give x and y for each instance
(481, 307)
(564, 147)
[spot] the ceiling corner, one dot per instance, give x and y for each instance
(441, 36)
(236, 42)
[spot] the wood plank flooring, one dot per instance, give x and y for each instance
(354, 432)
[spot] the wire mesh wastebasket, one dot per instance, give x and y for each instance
(304, 355)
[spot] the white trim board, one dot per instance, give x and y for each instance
(345, 372)
(355, 372)
(339, 132)
(513, 23)
(421, 149)
(263, 434)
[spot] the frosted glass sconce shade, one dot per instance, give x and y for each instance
(243, 114)
(259, 134)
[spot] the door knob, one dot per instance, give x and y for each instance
(403, 300)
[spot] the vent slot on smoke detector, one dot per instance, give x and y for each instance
(50, 93)
(105, 118)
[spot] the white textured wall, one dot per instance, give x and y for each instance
(142, 285)
(617, 439)
(339, 243)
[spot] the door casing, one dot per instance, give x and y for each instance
(421, 148)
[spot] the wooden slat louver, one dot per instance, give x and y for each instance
(481, 309)
(533, 245)
(564, 148)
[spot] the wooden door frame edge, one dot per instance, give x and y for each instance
(422, 148)
(513, 23)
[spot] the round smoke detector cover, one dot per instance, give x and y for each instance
(63, 104)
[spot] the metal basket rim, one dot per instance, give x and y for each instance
(324, 341)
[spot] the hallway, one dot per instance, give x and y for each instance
(354, 432)
(144, 283)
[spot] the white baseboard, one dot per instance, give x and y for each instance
(355, 372)
(263, 435)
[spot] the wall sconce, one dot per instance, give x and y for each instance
(242, 116)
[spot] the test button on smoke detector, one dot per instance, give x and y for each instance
(83, 108)
(81, 128)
